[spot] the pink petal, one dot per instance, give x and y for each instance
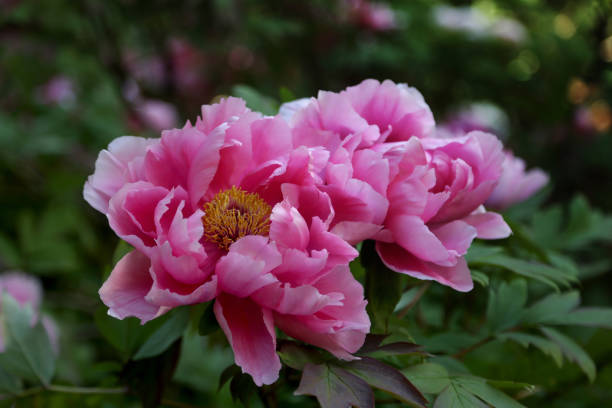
(250, 331)
(246, 267)
(125, 289)
(489, 225)
(396, 258)
(411, 233)
(121, 163)
(456, 236)
(299, 300)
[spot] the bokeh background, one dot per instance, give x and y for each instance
(76, 74)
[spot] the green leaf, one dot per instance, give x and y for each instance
(255, 100)
(165, 335)
(335, 387)
(373, 344)
(505, 307)
(383, 287)
(546, 346)
(28, 353)
(572, 351)
(529, 269)
(480, 388)
(297, 356)
(552, 307)
(125, 335)
(586, 316)
(384, 377)
(208, 322)
(480, 277)
(9, 383)
(455, 396)
(430, 378)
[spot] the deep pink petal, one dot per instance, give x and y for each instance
(250, 331)
(398, 259)
(489, 225)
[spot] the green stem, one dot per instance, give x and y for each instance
(414, 301)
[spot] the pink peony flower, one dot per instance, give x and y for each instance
(157, 115)
(27, 291)
(373, 15)
(59, 90)
(481, 116)
(515, 184)
(420, 197)
(228, 209)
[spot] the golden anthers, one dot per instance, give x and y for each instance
(233, 214)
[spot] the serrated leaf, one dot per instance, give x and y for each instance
(28, 353)
(384, 377)
(455, 396)
(586, 316)
(505, 307)
(373, 344)
(383, 287)
(480, 388)
(572, 351)
(530, 269)
(335, 387)
(552, 307)
(430, 378)
(165, 335)
(546, 346)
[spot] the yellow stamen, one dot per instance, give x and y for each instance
(233, 214)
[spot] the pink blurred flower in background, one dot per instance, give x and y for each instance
(227, 209)
(59, 90)
(27, 291)
(156, 115)
(391, 180)
(516, 184)
(376, 16)
(483, 116)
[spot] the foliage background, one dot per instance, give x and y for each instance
(187, 53)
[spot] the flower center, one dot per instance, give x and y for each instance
(233, 214)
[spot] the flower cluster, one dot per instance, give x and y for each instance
(261, 214)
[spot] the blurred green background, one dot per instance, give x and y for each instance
(76, 74)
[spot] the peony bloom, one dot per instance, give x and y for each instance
(420, 197)
(515, 184)
(156, 115)
(227, 209)
(373, 15)
(27, 291)
(482, 116)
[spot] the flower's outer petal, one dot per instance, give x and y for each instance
(456, 236)
(489, 225)
(288, 109)
(396, 258)
(411, 233)
(299, 300)
(25, 289)
(121, 163)
(354, 232)
(250, 331)
(246, 267)
(125, 289)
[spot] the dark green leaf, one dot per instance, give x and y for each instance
(384, 377)
(572, 351)
(335, 387)
(480, 388)
(229, 372)
(383, 287)
(586, 316)
(255, 100)
(546, 346)
(455, 396)
(430, 378)
(552, 307)
(8, 383)
(208, 322)
(505, 307)
(165, 335)
(28, 353)
(297, 356)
